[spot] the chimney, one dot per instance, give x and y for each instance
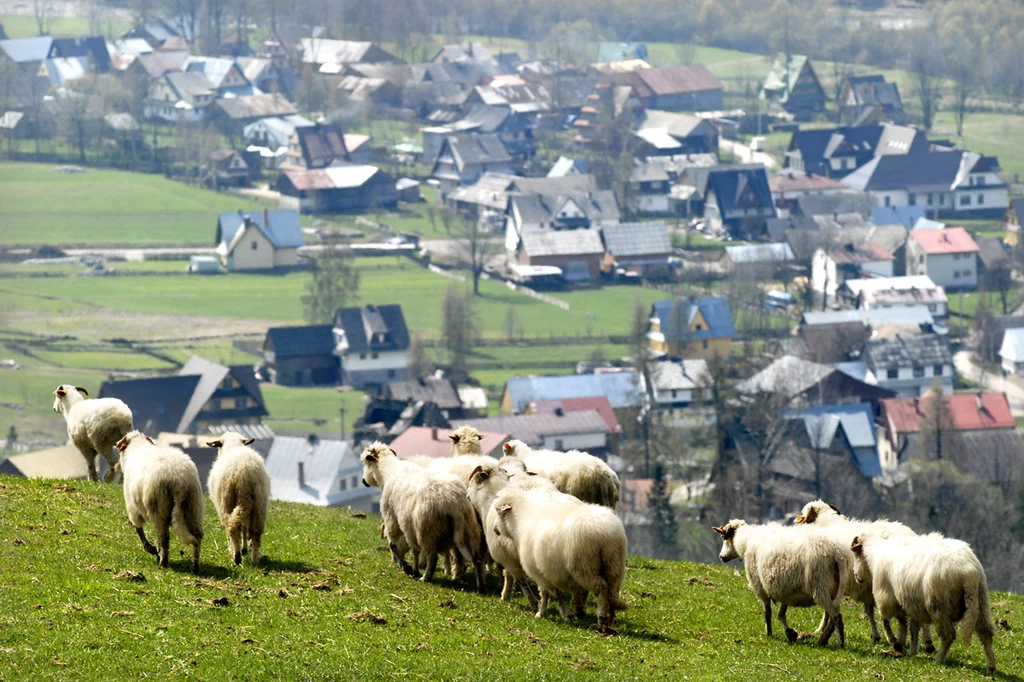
(266, 218)
(433, 433)
(302, 474)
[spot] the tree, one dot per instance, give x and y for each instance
(512, 326)
(938, 438)
(458, 326)
(419, 362)
(477, 245)
(925, 63)
(663, 516)
(43, 11)
(334, 283)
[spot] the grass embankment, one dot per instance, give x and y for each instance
(79, 599)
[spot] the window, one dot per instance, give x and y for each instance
(981, 199)
(391, 374)
(362, 356)
(931, 198)
(343, 484)
(373, 356)
(965, 200)
(698, 327)
(956, 274)
(888, 201)
(255, 245)
(893, 374)
(912, 199)
(558, 444)
(355, 482)
(956, 256)
(942, 199)
(704, 344)
(673, 393)
(937, 370)
(918, 372)
(240, 403)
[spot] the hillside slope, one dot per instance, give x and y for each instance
(80, 600)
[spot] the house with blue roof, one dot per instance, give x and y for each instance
(845, 430)
(622, 389)
(691, 328)
(258, 241)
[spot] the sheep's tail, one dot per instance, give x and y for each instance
(239, 519)
(187, 513)
(977, 617)
(609, 571)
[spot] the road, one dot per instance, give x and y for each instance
(1013, 386)
(745, 155)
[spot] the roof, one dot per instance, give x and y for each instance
(598, 205)
(566, 166)
(347, 176)
(670, 80)
(680, 376)
(905, 216)
(122, 122)
(278, 129)
(211, 376)
(373, 328)
(1012, 348)
(676, 124)
(321, 144)
(532, 429)
(874, 90)
(157, 64)
(921, 350)
(992, 252)
(822, 424)
(968, 411)
(281, 227)
(858, 286)
(470, 149)
(562, 242)
(322, 461)
(10, 120)
(491, 190)
(599, 403)
(760, 253)
(938, 171)
(637, 239)
(949, 240)
(714, 309)
(619, 387)
(325, 51)
(433, 442)
(256, 106)
(293, 342)
(23, 50)
(904, 297)
(914, 315)
(784, 74)
(788, 375)
(837, 202)
(64, 461)
(789, 180)
(189, 84)
(737, 187)
(855, 254)
(441, 392)
(157, 404)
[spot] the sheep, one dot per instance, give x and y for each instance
(161, 485)
(927, 579)
(828, 517)
(793, 566)
(569, 546)
(424, 510)
(94, 426)
(465, 441)
(575, 473)
(485, 482)
(239, 486)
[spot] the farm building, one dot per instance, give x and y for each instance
(338, 189)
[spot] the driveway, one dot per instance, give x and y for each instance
(1012, 385)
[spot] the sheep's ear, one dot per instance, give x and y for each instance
(719, 530)
(507, 448)
(505, 508)
(393, 452)
(531, 473)
(371, 457)
(122, 444)
(857, 546)
(82, 391)
(149, 439)
(835, 509)
(800, 518)
(214, 443)
(478, 470)
(454, 437)
(248, 441)
(60, 392)
(812, 515)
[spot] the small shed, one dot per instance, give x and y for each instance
(408, 190)
(203, 265)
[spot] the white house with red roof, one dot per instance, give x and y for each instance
(949, 257)
(969, 412)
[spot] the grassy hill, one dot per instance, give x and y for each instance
(79, 599)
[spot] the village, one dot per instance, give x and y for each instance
(737, 298)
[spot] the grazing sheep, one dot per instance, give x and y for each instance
(161, 485)
(465, 441)
(794, 566)
(570, 546)
(484, 484)
(94, 426)
(574, 473)
(239, 486)
(829, 518)
(520, 477)
(426, 511)
(927, 579)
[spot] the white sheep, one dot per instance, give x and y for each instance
(465, 441)
(828, 517)
(94, 426)
(239, 486)
(574, 473)
(426, 511)
(927, 579)
(161, 486)
(793, 566)
(570, 546)
(484, 484)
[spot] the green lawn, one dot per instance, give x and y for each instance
(296, 409)
(78, 595)
(40, 206)
(25, 26)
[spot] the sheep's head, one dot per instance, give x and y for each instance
(370, 458)
(122, 445)
(230, 438)
(513, 450)
(503, 519)
(63, 391)
(728, 533)
(861, 570)
(465, 440)
(818, 511)
(484, 480)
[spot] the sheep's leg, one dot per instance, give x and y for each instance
(901, 633)
(90, 463)
(579, 603)
(163, 541)
(915, 631)
(108, 454)
(990, 654)
(562, 608)
(429, 554)
(542, 608)
(947, 633)
(195, 558)
(869, 612)
(822, 624)
(605, 611)
(465, 552)
(507, 585)
(531, 598)
(256, 542)
(894, 641)
(146, 544)
(791, 634)
(768, 617)
(235, 543)
(929, 647)
(399, 559)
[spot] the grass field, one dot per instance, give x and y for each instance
(25, 26)
(78, 596)
(313, 409)
(40, 206)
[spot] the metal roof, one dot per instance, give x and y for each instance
(256, 106)
(714, 309)
(23, 50)
(680, 376)
(532, 429)
(303, 341)
(949, 240)
(441, 392)
(562, 242)
(761, 253)
(670, 80)
(360, 324)
(874, 317)
(619, 387)
(281, 227)
(921, 350)
(324, 462)
(637, 239)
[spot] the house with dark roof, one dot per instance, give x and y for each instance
(737, 199)
(837, 152)
(317, 146)
(852, 425)
(949, 257)
(691, 328)
(798, 381)
(201, 395)
(793, 86)
(637, 249)
(179, 95)
(464, 157)
(870, 99)
(439, 391)
(340, 188)
(91, 48)
(831, 267)
(232, 114)
(301, 356)
(372, 343)
(226, 168)
(910, 364)
(258, 241)
(670, 133)
(677, 88)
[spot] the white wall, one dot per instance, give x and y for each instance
(942, 268)
(576, 441)
(386, 360)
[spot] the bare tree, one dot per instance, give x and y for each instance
(512, 326)
(333, 284)
(458, 326)
(420, 364)
(43, 11)
(926, 65)
(477, 245)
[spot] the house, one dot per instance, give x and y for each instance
(737, 199)
(317, 146)
(864, 99)
(258, 241)
(226, 168)
(836, 336)
(792, 85)
(799, 381)
(64, 461)
(464, 157)
(621, 389)
(691, 328)
(423, 441)
(945, 183)
(910, 364)
(201, 395)
(680, 391)
(485, 200)
(514, 129)
(852, 424)
(178, 96)
(994, 266)
(269, 137)
(577, 253)
(569, 166)
(1011, 351)
(837, 152)
(372, 343)
(322, 472)
(789, 185)
(649, 189)
(898, 296)
(269, 76)
(597, 402)
(668, 133)
(329, 56)
(232, 114)
(441, 392)
(224, 74)
(1011, 222)
(512, 92)
(759, 261)
(637, 249)
(993, 329)
(904, 418)
(833, 205)
(830, 268)
(585, 430)
(949, 257)
(348, 188)
(677, 88)
(301, 356)
(854, 291)
(556, 209)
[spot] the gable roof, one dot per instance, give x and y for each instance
(714, 309)
(637, 239)
(321, 143)
(671, 80)
(597, 402)
(322, 461)
(256, 106)
(619, 51)
(680, 376)
(64, 461)
(562, 242)
(599, 205)
(189, 84)
(22, 50)
(346, 176)
(326, 51)
(939, 171)
(532, 429)
(90, 47)
(784, 74)
(949, 240)
(731, 185)
(677, 125)
(920, 350)
(373, 328)
(873, 90)
(441, 392)
(856, 254)
(968, 411)
(470, 149)
(823, 424)
(281, 227)
(761, 253)
(157, 404)
(304, 341)
(619, 387)
(433, 442)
